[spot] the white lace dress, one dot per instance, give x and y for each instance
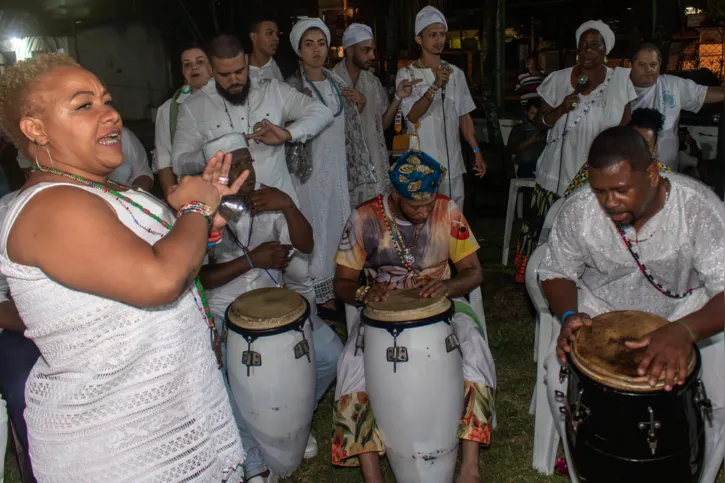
(120, 393)
(324, 198)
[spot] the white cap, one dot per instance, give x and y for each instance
(226, 144)
(303, 26)
(355, 34)
(428, 16)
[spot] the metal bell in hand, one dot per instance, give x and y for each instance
(232, 207)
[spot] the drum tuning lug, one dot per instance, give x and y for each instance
(559, 396)
(453, 344)
(578, 412)
(651, 426)
(563, 373)
(396, 354)
(303, 349)
(704, 402)
(359, 342)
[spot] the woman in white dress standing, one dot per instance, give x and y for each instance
(338, 161)
(127, 388)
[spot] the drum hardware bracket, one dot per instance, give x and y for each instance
(704, 402)
(396, 354)
(453, 344)
(359, 342)
(302, 348)
(651, 427)
(563, 373)
(578, 412)
(249, 357)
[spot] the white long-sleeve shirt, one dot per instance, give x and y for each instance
(162, 152)
(206, 116)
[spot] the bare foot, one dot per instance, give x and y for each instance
(469, 475)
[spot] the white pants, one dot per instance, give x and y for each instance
(3, 436)
(478, 365)
(297, 278)
(713, 362)
(457, 191)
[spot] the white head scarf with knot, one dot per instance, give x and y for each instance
(428, 16)
(303, 26)
(603, 30)
(355, 34)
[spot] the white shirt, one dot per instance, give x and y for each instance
(206, 116)
(267, 72)
(267, 226)
(4, 287)
(670, 95)
(682, 246)
(162, 151)
(430, 133)
(601, 109)
(135, 160)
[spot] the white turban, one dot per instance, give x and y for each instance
(603, 30)
(226, 144)
(303, 26)
(355, 34)
(428, 16)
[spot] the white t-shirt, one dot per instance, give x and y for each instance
(430, 133)
(135, 160)
(267, 226)
(601, 109)
(670, 95)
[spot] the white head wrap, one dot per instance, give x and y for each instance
(428, 16)
(226, 144)
(355, 34)
(303, 26)
(603, 30)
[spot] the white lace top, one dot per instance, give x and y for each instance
(120, 394)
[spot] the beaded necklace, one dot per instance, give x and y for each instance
(204, 306)
(642, 268)
(229, 116)
(319, 95)
(405, 253)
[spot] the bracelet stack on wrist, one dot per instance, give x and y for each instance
(361, 292)
(431, 92)
(197, 207)
(215, 238)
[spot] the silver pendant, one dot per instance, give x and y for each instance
(408, 256)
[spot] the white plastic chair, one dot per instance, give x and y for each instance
(515, 198)
(549, 221)
(3, 436)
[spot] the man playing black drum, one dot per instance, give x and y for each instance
(637, 239)
(405, 240)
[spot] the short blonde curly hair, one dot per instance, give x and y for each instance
(15, 88)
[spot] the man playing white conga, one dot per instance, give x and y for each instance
(257, 251)
(403, 240)
(637, 239)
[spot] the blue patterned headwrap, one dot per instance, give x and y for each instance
(416, 176)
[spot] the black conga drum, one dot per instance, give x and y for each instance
(619, 428)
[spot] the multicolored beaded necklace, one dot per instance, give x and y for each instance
(334, 87)
(204, 309)
(405, 253)
(650, 278)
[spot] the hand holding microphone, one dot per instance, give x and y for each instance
(572, 100)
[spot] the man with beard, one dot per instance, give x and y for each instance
(264, 35)
(440, 104)
(638, 239)
(232, 102)
(431, 229)
(669, 95)
(376, 112)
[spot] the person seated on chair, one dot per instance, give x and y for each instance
(638, 239)
(405, 240)
(526, 142)
(257, 251)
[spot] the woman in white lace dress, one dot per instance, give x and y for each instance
(127, 387)
(340, 161)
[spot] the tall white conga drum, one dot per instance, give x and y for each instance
(414, 375)
(271, 367)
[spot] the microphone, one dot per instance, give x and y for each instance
(581, 81)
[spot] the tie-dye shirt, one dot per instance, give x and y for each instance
(368, 244)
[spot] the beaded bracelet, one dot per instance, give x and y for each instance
(215, 238)
(197, 207)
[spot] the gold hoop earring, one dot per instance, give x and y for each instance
(37, 151)
(47, 150)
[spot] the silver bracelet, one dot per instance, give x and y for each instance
(543, 120)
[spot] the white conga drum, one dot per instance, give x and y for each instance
(271, 367)
(414, 375)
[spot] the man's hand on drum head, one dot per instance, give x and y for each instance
(668, 349)
(430, 289)
(568, 333)
(378, 292)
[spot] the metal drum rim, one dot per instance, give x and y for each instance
(402, 325)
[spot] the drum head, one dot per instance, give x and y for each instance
(266, 309)
(600, 352)
(406, 305)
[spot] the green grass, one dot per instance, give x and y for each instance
(510, 322)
